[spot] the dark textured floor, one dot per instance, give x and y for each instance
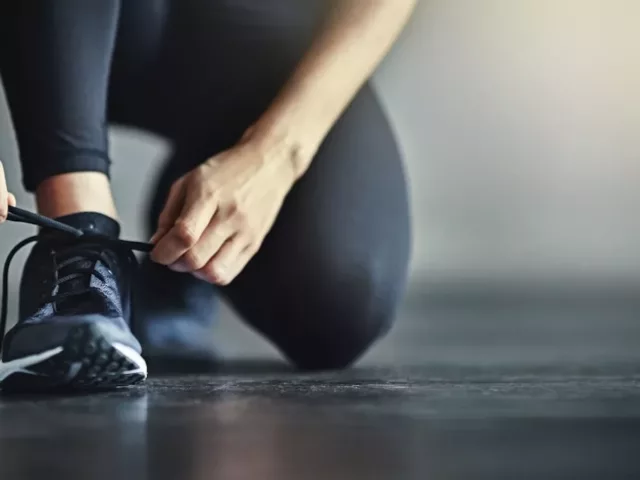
(571, 410)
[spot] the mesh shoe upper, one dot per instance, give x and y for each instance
(74, 277)
(68, 280)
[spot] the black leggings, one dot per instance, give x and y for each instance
(329, 276)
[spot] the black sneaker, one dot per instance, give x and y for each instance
(73, 329)
(175, 314)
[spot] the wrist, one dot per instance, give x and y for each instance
(279, 143)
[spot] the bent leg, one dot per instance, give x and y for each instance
(328, 278)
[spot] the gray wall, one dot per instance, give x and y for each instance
(520, 121)
(521, 124)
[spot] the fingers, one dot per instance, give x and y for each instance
(212, 219)
(4, 195)
(171, 210)
(228, 262)
(195, 212)
(215, 235)
(12, 200)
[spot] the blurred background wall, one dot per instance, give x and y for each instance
(520, 122)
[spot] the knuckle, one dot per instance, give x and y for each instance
(231, 209)
(199, 176)
(215, 274)
(194, 260)
(185, 234)
(237, 214)
(242, 217)
(210, 194)
(206, 190)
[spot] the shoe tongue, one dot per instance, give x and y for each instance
(93, 224)
(81, 269)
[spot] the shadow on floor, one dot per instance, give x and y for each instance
(244, 366)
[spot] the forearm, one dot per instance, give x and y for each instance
(357, 36)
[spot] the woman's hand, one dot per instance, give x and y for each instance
(6, 198)
(217, 215)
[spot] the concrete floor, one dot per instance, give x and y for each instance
(456, 392)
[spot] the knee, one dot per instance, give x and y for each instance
(337, 324)
(336, 348)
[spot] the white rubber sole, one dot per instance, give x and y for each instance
(134, 357)
(86, 361)
(21, 365)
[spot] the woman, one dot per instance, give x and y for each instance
(285, 191)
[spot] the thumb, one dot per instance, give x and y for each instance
(171, 211)
(4, 195)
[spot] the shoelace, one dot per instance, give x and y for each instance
(70, 255)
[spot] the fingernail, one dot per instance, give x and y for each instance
(158, 235)
(200, 275)
(221, 272)
(178, 267)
